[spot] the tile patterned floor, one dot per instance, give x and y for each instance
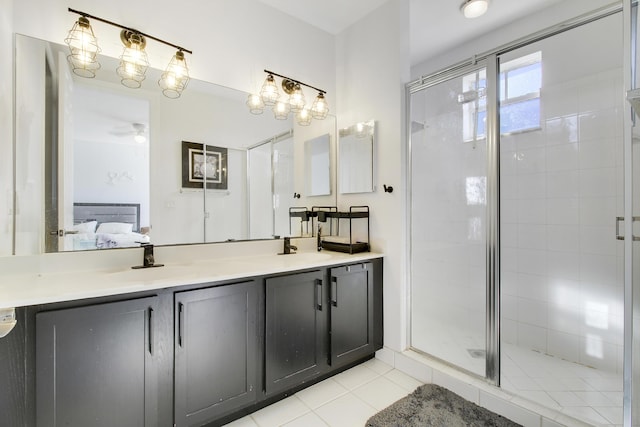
(351, 397)
(591, 395)
(345, 400)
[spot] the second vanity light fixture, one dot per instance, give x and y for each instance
(269, 96)
(84, 49)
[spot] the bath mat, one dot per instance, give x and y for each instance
(432, 405)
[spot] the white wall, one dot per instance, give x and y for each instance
(112, 172)
(372, 58)
(559, 12)
(232, 40)
(30, 131)
(6, 127)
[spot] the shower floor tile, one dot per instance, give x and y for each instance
(591, 395)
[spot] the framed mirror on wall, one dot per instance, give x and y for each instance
(118, 153)
(356, 159)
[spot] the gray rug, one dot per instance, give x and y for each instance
(432, 405)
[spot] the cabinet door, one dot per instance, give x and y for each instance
(95, 366)
(352, 309)
(295, 329)
(216, 351)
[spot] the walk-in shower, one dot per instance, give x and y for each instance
(517, 175)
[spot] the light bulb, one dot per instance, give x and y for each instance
(255, 104)
(269, 91)
(474, 8)
(319, 109)
(176, 76)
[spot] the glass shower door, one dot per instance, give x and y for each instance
(448, 220)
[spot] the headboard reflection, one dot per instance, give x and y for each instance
(128, 213)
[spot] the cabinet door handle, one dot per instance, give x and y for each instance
(150, 320)
(180, 323)
(319, 294)
(334, 291)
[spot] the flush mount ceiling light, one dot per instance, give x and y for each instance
(269, 95)
(134, 62)
(474, 8)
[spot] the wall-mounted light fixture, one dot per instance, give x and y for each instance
(474, 8)
(270, 96)
(134, 62)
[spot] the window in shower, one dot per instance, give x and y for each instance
(520, 81)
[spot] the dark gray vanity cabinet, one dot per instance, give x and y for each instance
(96, 365)
(295, 328)
(217, 353)
(352, 313)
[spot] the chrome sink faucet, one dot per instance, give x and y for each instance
(288, 247)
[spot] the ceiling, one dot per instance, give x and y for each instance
(436, 25)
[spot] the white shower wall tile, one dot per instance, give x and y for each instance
(597, 154)
(532, 236)
(563, 238)
(565, 184)
(532, 286)
(533, 337)
(532, 312)
(599, 269)
(597, 210)
(598, 240)
(531, 185)
(563, 265)
(597, 124)
(598, 353)
(563, 345)
(562, 130)
(598, 182)
(563, 211)
(532, 160)
(532, 261)
(532, 211)
(563, 157)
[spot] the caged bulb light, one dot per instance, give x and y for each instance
(281, 110)
(255, 104)
(320, 109)
(133, 61)
(269, 92)
(304, 117)
(296, 99)
(84, 49)
(176, 77)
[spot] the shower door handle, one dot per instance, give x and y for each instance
(619, 219)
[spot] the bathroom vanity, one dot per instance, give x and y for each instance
(189, 344)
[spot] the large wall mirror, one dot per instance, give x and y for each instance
(356, 158)
(99, 165)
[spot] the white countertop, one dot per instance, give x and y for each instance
(42, 287)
